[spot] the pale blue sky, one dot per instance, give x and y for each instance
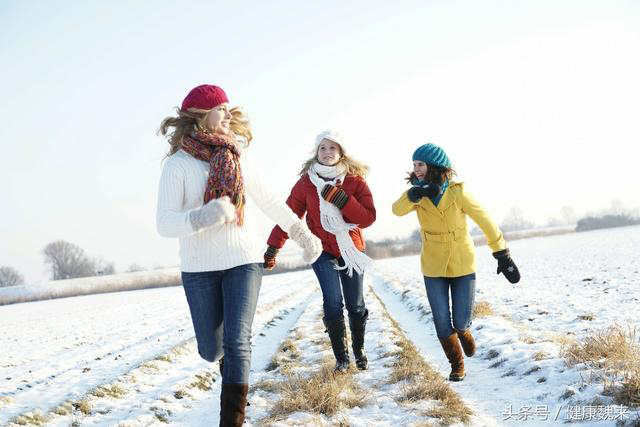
(536, 102)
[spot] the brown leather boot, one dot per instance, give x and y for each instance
(451, 347)
(467, 341)
(233, 401)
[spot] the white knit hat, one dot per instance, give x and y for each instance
(331, 135)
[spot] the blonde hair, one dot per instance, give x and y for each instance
(353, 166)
(193, 119)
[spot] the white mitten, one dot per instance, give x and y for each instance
(312, 246)
(215, 212)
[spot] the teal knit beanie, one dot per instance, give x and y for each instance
(431, 154)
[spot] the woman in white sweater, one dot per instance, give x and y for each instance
(202, 197)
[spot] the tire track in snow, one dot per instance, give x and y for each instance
(489, 389)
(380, 406)
(275, 305)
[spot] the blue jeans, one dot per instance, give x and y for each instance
(336, 282)
(463, 291)
(222, 304)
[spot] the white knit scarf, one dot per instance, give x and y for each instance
(332, 221)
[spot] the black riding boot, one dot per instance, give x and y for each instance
(338, 336)
(358, 326)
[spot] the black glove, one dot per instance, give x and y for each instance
(427, 190)
(506, 266)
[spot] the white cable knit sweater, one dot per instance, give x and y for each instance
(182, 186)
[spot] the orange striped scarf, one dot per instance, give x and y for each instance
(225, 173)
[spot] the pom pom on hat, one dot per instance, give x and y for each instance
(431, 154)
(204, 97)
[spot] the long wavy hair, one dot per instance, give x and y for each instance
(353, 166)
(435, 175)
(177, 127)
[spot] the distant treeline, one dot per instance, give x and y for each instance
(606, 221)
(412, 245)
(389, 248)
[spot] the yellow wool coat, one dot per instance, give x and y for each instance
(447, 248)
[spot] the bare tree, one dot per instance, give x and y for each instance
(569, 215)
(617, 208)
(67, 260)
(554, 222)
(515, 220)
(134, 267)
(103, 268)
(9, 276)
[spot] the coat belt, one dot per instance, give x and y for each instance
(457, 234)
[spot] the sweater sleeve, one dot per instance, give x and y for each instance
(403, 205)
(495, 239)
(359, 208)
(275, 209)
(171, 219)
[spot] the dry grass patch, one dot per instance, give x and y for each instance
(615, 352)
(532, 370)
(83, 406)
(114, 391)
(564, 340)
(270, 386)
(286, 357)
(161, 415)
(421, 390)
(541, 355)
(181, 394)
(5, 400)
(423, 382)
(289, 348)
(492, 354)
(150, 366)
(587, 316)
(322, 341)
(628, 393)
(203, 381)
(65, 408)
(482, 309)
(165, 358)
(130, 378)
(321, 392)
(603, 348)
(181, 349)
(35, 418)
(567, 394)
(408, 363)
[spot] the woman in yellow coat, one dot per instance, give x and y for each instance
(448, 254)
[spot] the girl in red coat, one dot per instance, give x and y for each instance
(333, 193)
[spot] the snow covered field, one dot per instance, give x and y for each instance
(129, 359)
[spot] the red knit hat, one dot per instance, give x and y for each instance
(204, 97)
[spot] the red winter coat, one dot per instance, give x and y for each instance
(359, 210)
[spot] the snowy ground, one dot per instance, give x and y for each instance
(129, 359)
